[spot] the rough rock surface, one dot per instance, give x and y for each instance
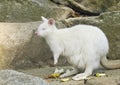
(109, 23)
(31, 10)
(13, 39)
(98, 5)
(21, 48)
(93, 6)
(11, 77)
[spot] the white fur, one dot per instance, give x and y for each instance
(82, 45)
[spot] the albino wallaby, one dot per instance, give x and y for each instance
(84, 46)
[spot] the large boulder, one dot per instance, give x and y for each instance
(31, 10)
(115, 7)
(98, 6)
(90, 7)
(11, 77)
(109, 23)
(13, 40)
(21, 48)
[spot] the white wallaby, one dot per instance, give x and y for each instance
(84, 46)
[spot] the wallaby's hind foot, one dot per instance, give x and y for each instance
(69, 73)
(84, 75)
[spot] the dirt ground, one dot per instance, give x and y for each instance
(112, 78)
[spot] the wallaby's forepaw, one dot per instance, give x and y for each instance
(78, 77)
(66, 74)
(63, 75)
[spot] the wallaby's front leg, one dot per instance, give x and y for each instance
(56, 57)
(69, 73)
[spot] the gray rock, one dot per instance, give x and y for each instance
(11, 77)
(109, 23)
(13, 40)
(21, 48)
(31, 10)
(92, 6)
(98, 5)
(102, 81)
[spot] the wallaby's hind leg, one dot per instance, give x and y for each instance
(88, 72)
(69, 73)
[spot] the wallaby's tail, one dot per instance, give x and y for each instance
(110, 64)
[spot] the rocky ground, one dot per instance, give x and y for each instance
(112, 78)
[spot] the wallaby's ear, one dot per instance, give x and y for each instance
(51, 21)
(43, 18)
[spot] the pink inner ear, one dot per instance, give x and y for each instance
(51, 21)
